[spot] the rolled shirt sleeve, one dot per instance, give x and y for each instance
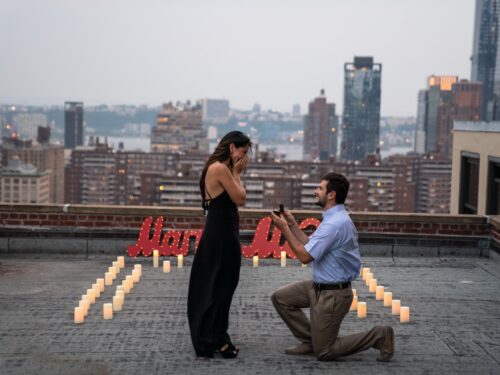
(321, 240)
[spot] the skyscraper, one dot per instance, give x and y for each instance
(361, 117)
(484, 56)
(320, 130)
(73, 124)
(445, 100)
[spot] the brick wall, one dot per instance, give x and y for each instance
(83, 216)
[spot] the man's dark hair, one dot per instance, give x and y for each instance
(339, 184)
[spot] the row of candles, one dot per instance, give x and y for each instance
(93, 293)
(380, 295)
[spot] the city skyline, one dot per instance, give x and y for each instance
(262, 52)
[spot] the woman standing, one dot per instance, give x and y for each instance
(216, 266)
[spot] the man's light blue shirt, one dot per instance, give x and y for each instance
(334, 247)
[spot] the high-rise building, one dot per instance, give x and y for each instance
(361, 116)
(445, 100)
(484, 57)
(44, 157)
(179, 129)
(215, 111)
(22, 183)
(73, 124)
(320, 130)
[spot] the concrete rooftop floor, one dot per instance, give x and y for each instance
(454, 302)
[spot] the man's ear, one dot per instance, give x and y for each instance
(333, 195)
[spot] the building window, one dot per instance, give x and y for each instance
(469, 180)
(493, 193)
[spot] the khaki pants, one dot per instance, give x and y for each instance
(328, 308)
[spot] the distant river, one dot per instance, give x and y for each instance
(292, 151)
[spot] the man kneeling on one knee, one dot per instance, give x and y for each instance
(334, 252)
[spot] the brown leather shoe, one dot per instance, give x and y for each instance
(301, 349)
(387, 345)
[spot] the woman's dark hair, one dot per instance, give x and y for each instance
(338, 183)
(221, 154)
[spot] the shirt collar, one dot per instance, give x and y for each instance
(331, 211)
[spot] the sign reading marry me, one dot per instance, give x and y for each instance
(175, 242)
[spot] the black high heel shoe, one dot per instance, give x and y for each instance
(229, 352)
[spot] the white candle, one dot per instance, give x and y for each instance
(387, 299)
(180, 260)
(121, 261)
(368, 277)
(256, 261)
(121, 294)
(117, 303)
(364, 271)
(100, 282)
(85, 306)
(396, 304)
(79, 315)
(354, 292)
(155, 258)
(119, 288)
(108, 278)
(138, 267)
(166, 266)
(361, 309)
(304, 265)
(91, 295)
(404, 316)
(107, 311)
(117, 266)
(126, 287)
(130, 280)
(97, 290)
(354, 304)
(136, 276)
(283, 259)
(379, 293)
(372, 286)
(112, 271)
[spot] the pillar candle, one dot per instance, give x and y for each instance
(404, 316)
(354, 292)
(121, 294)
(166, 266)
(372, 286)
(283, 259)
(256, 261)
(387, 299)
(364, 271)
(97, 290)
(108, 278)
(119, 288)
(126, 287)
(91, 295)
(79, 315)
(155, 258)
(139, 268)
(354, 304)
(129, 279)
(180, 260)
(121, 261)
(84, 304)
(361, 309)
(100, 282)
(107, 311)
(368, 277)
(117, 303)
(396, 304)
(304, 265)
(136, 276)
(117, 266)
(112, 271)
(379, 293)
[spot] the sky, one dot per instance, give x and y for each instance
(273, 52)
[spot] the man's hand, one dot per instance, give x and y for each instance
(290, 220)
(279, 221)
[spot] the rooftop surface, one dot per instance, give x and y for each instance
(454, 302)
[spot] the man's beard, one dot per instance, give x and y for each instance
(321, 203)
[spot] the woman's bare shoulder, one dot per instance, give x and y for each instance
(217, 167)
